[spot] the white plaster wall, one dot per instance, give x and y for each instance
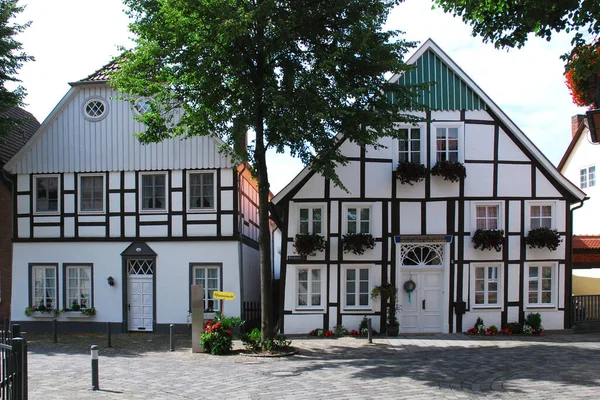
(514, 216)
(24, 225)
(436, 217)
(480, 180)
(513, 283)
(92, 231)
(299, 323)
(508, 150)
(551, 319)
(443, 188)
(514, 180)
(350, 177)
(69, 181)
(114, 180)
(479, 142)
(514, 247)
(46, 231)
(543, 187)
(378, 180)
(414, 191)
(332, 290)
(512, 314)
(22, 182)
(114, 202)
(172, 274)
(202, 230)
(478, 115)
(23, 204)
(545, 254)
(410, 218)
(314, 188)
(445, 115)
(353, 321)
(350, 149)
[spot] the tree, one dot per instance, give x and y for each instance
(295, 72)
(11, 60)
(509, 23)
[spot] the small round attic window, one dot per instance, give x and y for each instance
(141, 106)
(95, 109)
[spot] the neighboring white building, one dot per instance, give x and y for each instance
(423, 232)
(93, 205)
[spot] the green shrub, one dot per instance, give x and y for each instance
(451, 171)
(252, 340)
(358, 243)
(339, 330)
(534, 320)
(217, 336)
(514, 327)
(488, 239)
(543, 237)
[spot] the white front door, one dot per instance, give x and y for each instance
(421, 311)
(140, 302)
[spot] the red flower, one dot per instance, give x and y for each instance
(229, 332)
(217, 325)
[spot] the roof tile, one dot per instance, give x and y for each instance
(586, 242)
(12, 142)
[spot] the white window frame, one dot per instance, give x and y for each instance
(320, 307)
(89, 302)
(80, 193)
(461, 140)
(99, 117)
(135, 104)
(32, 299)
(530, 204)
(207, 297)
(58, 194)
(499, 284)
(344, 280)
(475, 204)
(359, 207)
(189, 191)
(410, 143)
(587, 173)
(553, 284)
(141, 193)
(311, 207)
(424, 139)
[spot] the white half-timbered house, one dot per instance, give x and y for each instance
(423, 232)
(102, 221)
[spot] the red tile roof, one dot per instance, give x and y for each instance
(591, 242)
(101, 75)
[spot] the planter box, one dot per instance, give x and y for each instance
(43, 314)
(75, 314)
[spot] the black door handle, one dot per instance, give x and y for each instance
(423, 304)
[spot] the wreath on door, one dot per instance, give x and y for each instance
(409, 287)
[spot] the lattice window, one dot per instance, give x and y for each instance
(418, 254)
(140, 267)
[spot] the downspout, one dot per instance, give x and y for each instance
(241, 244)
(568, 300)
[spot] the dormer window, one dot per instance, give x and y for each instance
(95, 109)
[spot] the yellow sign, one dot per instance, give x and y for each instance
(223, 295)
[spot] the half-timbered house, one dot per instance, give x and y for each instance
(423, 230)
(104, 222)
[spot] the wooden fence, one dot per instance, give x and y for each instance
(13, 365)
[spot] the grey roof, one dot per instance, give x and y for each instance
(12, 142)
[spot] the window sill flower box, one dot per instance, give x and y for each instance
(358, 243)
(409, 172)
(452, 171)
(43, 314)
(80, 313)
(308, 244)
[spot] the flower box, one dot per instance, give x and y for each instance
(488, 239)
(75, 314)
(43, 314)
(358, 243)
(308, 244)
(543, 238)
(409, 172)
(452, 171)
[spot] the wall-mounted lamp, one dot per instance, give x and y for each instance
(111, 281)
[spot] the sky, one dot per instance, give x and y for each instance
(70, 39)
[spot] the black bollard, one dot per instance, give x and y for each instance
(6, 325)
(94, 351)
(172, 336)
(108, 335)
(369, 330)
(15, 330)
(54, 331)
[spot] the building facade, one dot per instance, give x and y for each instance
(104, 222)
(423, 231)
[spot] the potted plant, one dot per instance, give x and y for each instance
(409, 172)
(75, 306)
(88, 311)
(388, 292)
(452, 171)
(307, 244)
(543, 237)
(488, 239)
(358, 243)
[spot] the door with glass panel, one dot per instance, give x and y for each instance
(140, 295)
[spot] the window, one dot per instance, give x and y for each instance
(486, 285)
(141, 106)
(487, 217)
(202, 190)
(153, 192)
(540, 278)
(446, 143)
(209, 277)
(91, 195)
(95, 109)
(357, 287)
(44, 286)
(540, 216)
(46, 194)
(310, 287)
(587, 177)
(78, 286)
(358, 220)
(311, 219)
(409, 147)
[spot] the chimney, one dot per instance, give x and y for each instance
(576, 120)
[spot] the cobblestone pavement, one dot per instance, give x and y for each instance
(456, 366)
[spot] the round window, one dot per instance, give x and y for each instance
(141, 106)
(95, 109)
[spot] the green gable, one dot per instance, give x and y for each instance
(447, 90)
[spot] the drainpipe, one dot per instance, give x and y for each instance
(241, 244)
(569, 317)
